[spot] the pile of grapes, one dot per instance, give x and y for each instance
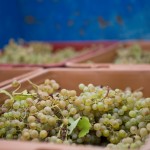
(99, 115)
(35, 53)
(132, 55)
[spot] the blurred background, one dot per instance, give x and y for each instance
(65, 20)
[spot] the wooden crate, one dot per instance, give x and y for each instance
(8, 74)
(120, 77)
(105, 57)
(91, 46)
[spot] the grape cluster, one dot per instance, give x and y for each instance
(35, 53)
(117, 119)
(132, 55)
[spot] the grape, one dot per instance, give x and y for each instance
(134, 130)
(43, 119)
(26, 135)
(81, 86)
(121, 112)
(132, 55)
(65, 113)
(127, 140)
(72, 93)
(148, 126)
(106, 133)
(43, 134)
(2, 124)
(100, 106)
(143, 132)
(62, 104)
(16, 105)
(73, 111)
(52, 120)
(47, 110)
(142, 125)
(32, 125)
(65, 121)
(9, 136)
(34, 134)
(94, 107)
(33, 109)
(145, 111)
(132, 113)
(37, 52)
(115, 124)
(124, 108)
(31, 119)
(115, 116)
(97, 126)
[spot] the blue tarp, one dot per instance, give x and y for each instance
(61, 20)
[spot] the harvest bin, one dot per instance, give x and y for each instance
(8, 74)
(103, 58)
(91, 46)
(134, 77)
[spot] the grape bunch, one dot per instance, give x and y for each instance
(35, 53)
(132, 55)
(99, 115)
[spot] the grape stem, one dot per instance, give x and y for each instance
(106, 93)
(6, 93)
(13, 93)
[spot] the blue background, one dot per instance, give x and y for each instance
(61, 20)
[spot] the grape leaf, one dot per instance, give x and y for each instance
(84, 125)
(22, 97)
(73, 124)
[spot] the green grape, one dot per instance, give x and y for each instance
(132, 113)
(16, 105)
(43, 134)
(98, 133)
(26, 135)
(127, 140)
(33, 109)
(97, 126)
(65, 121)
(145, 111)
(122, 134)
(124, 108)
(65, 113)
(143, 132)
(62, 104)
(100, 106)
(9, 136)
(142, 125)
(106, 133)
(115, 116)
(148, 127)
(52, 120)
(115, 124)
(31, 119)
(32, 125)
(134, 130)
(34, 134)
(94, 107)
(73, 111)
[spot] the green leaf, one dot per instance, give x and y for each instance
(84, 125)
(73, 124)
(22, 97)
